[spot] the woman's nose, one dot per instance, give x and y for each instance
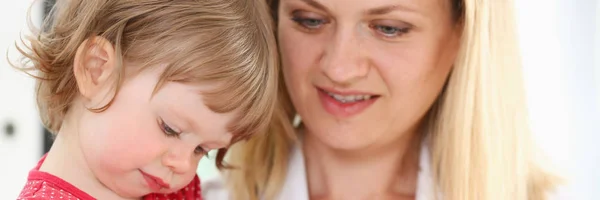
(343, 60)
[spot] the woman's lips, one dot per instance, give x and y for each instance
(345, 103)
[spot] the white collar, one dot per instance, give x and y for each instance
(295, 186)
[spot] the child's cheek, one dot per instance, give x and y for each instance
(128, 145)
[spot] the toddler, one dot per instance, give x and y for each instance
(136, 92)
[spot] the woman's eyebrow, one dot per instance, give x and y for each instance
(316, 5)
(389, 8)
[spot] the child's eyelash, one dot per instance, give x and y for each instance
(169, 132)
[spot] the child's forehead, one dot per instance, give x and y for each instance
(184, 94)
(188, 102)
(194, 91)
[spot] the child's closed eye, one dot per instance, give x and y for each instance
(167, 130)
(172, 132)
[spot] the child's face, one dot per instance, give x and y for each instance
(143, 137)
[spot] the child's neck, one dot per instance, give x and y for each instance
(66, 161)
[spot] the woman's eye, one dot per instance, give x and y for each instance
(309, 23)
(308, 20)
(168, 130)
(390, 31)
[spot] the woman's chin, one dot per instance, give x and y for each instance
(343, 139)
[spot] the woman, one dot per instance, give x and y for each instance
(399, 99)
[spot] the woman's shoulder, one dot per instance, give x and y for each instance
(294, 186)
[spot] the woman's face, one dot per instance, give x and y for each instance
(361, 72)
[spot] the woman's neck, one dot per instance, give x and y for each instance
(383, 172)
(67, 161)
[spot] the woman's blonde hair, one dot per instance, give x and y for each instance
(228, 42)
(480, 141)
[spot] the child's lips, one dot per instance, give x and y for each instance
(154, 182)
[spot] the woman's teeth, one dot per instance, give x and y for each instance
(349, 98)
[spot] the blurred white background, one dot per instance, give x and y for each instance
(19, 151)
(560, 41)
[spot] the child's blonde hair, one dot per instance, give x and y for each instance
(229, 42)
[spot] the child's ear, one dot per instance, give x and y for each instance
(94, 67)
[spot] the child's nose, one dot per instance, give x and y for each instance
(179, 161)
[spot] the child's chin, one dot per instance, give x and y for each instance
(130, 192)
(170, 190)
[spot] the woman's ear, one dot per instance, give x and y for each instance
(93, 67)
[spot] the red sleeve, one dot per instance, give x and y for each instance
(191, 191)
